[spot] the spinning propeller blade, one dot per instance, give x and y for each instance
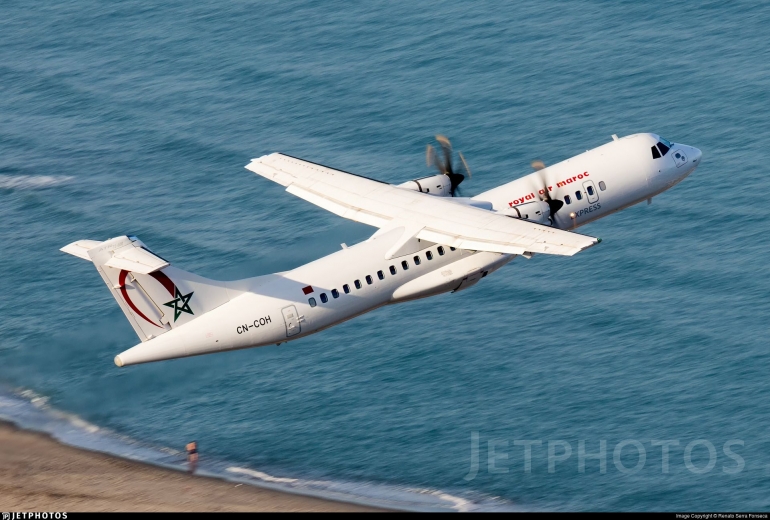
(554, 204)
(444, 165)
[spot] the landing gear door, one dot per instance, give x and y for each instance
(291, 319)
(470, 279)
(591, 193)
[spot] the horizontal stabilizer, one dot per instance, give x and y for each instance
(80, 248)
(136, 259)
(128, 253)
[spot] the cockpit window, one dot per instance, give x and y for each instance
(666, 142)
(663, 148)
(655, 153)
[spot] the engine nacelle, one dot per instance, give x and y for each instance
(439, 185)
(536, 211)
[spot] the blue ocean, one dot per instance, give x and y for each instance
(632, 376)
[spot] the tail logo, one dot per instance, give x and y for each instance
(180, 303)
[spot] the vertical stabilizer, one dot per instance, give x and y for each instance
(155, 296)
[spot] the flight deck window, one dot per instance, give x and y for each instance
(578, 195)
(602, 186)
(428, 255)
(369, 280)
(380, 275)
(452, 249)
(655, 152)
(312, 302)
(567, 200)
(335, 293)
(440, 251)
(324, 298)
(346, 288)
(590, 190)
(357, 283)
(417, 260)
(392, 269)
(663, 148)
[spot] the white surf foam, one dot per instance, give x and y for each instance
(31, 182)
(386, 496)
(41, 402)
(458, 504)
(262, 476)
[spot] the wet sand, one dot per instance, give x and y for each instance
(37, 473)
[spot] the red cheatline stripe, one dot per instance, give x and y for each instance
(122, 283)
(165, 280)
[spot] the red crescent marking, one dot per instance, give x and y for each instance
(165, 280)
(122, 282)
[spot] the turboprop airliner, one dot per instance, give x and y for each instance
(429, 241)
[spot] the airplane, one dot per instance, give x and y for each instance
(430, 241)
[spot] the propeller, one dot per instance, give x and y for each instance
(553, 204)
(444, 165)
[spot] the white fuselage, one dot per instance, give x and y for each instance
(626, 168)
(355, 280)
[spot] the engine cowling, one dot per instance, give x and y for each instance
(439, 185)
(536, 211)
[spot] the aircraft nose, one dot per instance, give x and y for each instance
(678, 163)
(686, 158)
(696, 155)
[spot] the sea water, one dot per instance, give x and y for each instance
(132, 118)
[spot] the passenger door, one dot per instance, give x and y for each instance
(291, 319)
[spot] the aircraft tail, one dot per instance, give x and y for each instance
(155, 296)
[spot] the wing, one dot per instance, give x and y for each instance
(430, 218)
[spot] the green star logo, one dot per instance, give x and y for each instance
(180, 304)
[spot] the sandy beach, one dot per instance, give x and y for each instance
(38, 473)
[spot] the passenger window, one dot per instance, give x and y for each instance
(392, 269)
(417, 260)
(428, 255)
(380, 275)
(335, 293)
(590, 190)
(357, 283)
(440, 251)
(369, 280)
(452, 249)
(578, 195)
(324, 298)
(663, 148)
(655, 153)
(405, 265)
(602, 186)
(312, 302)
(567, 200)
(346, 288)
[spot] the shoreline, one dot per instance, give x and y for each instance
(40, 473)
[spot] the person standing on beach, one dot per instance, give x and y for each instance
(192, 455)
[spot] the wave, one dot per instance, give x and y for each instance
(32, 411)
(31, 182)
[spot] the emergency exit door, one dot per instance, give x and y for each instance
(591, 193)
